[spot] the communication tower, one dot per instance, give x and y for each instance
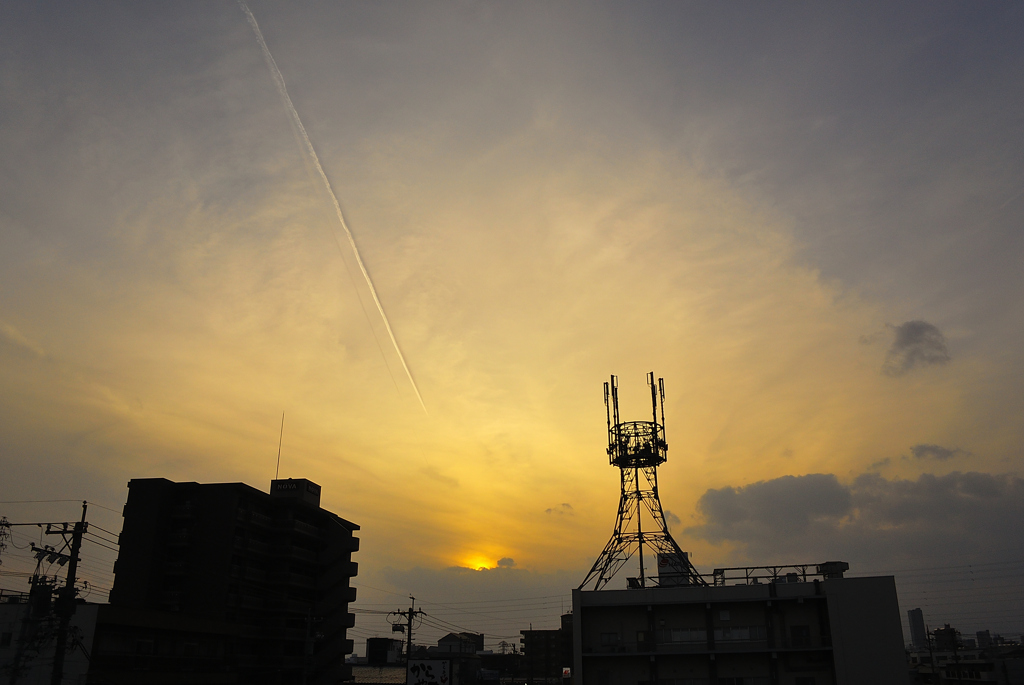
(637, 448)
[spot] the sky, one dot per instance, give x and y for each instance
(808, 219)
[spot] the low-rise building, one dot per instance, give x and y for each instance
(382, 651)
(792, 630)
(460, 643)
(28, 636)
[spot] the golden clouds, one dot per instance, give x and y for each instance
(516, 279)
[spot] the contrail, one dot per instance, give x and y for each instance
(283, 91)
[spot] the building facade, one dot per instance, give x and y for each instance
(835, 631)
(253, 585)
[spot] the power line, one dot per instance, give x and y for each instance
(56, 501)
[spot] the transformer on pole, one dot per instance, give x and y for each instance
(637, 448)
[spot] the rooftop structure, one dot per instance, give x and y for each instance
(637, 448)
(820, 631)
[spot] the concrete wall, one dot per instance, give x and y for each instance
(867, 632)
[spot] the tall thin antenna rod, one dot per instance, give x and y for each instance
(607, 408)
(280, 440)
(661, 391)
(654, 396)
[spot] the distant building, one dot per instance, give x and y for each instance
(546, 652)
(835, 631)
(225, 583)
(460, 643)
(381, 651)
(542, 654)
(946, 639)
(28, 629)
(964, 663)
(461, 651)
(918, 634)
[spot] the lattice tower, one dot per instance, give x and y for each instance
(637, 448)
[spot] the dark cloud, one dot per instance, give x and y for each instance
(506, 562)
(872, 518)
(562, 509)
(915, 344)
(671, 519)
(951, 541)
(937, 452)
(789, 505)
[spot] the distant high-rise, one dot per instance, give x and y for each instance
(918, 634)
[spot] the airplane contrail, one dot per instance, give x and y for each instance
(283, 91)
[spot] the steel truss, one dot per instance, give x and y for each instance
(637, 447)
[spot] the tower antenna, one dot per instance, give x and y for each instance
(637, 448)
(280, 441)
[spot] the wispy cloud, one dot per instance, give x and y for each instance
(936, 452)
(14, 338)
(434, 474)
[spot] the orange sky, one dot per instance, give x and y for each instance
(535, 217)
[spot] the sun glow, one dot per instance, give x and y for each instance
(478, 562)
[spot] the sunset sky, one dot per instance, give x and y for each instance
(807, 218)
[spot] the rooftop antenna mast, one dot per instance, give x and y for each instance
(280, 441)
(637, 448)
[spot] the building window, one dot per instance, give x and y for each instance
(684, 635)
(5, 639)
(723, 615)
(801, 636)
(609, 640)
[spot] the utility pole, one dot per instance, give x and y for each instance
(408, 616)
(956, 658)
(64, 606)
(931, 657)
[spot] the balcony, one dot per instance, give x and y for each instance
(182, 511)
(293, 579)
(297, 553)
(305, 529)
